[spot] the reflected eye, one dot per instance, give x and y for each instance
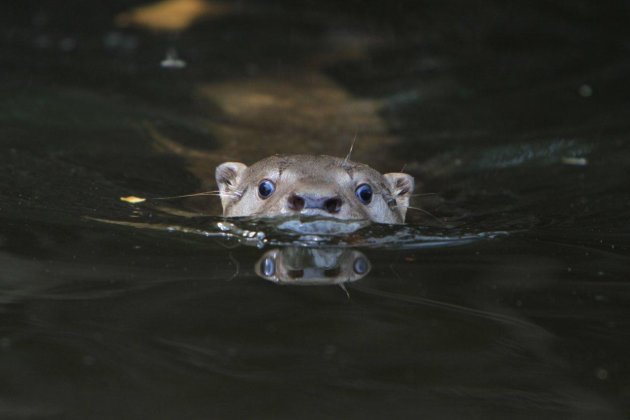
(364, 193)
(268, 267)
(266, 188)
(360, 266)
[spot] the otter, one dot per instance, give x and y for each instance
(308, 185)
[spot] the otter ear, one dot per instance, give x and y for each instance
(228, 176)
(401, 186)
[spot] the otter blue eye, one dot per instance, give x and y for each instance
(266, 188)
(364, 193)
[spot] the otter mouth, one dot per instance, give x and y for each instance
(317, 212)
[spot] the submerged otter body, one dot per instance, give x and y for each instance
(313, 186)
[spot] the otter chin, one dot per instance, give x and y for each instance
(306, 185)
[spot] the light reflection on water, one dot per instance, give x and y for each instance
(511, 302)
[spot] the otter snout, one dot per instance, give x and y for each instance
(300, 201)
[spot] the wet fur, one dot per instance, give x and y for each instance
(316, 175)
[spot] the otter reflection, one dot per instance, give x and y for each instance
(312, 266)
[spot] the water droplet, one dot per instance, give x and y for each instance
(172, 61)
(585, 91)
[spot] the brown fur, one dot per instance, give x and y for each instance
(317, 179)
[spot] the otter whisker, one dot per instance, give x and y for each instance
(345, 161)
(205, 193)
(418, 300)
(427, 213)
(423, 195)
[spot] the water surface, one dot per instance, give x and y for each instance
(511, 300)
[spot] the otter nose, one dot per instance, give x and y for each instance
(298, 202)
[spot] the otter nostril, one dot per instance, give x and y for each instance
(296, 202)
(333, 205)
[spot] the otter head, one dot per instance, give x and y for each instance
(303, 266)
(313, 186)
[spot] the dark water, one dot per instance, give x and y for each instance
(511, 302)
